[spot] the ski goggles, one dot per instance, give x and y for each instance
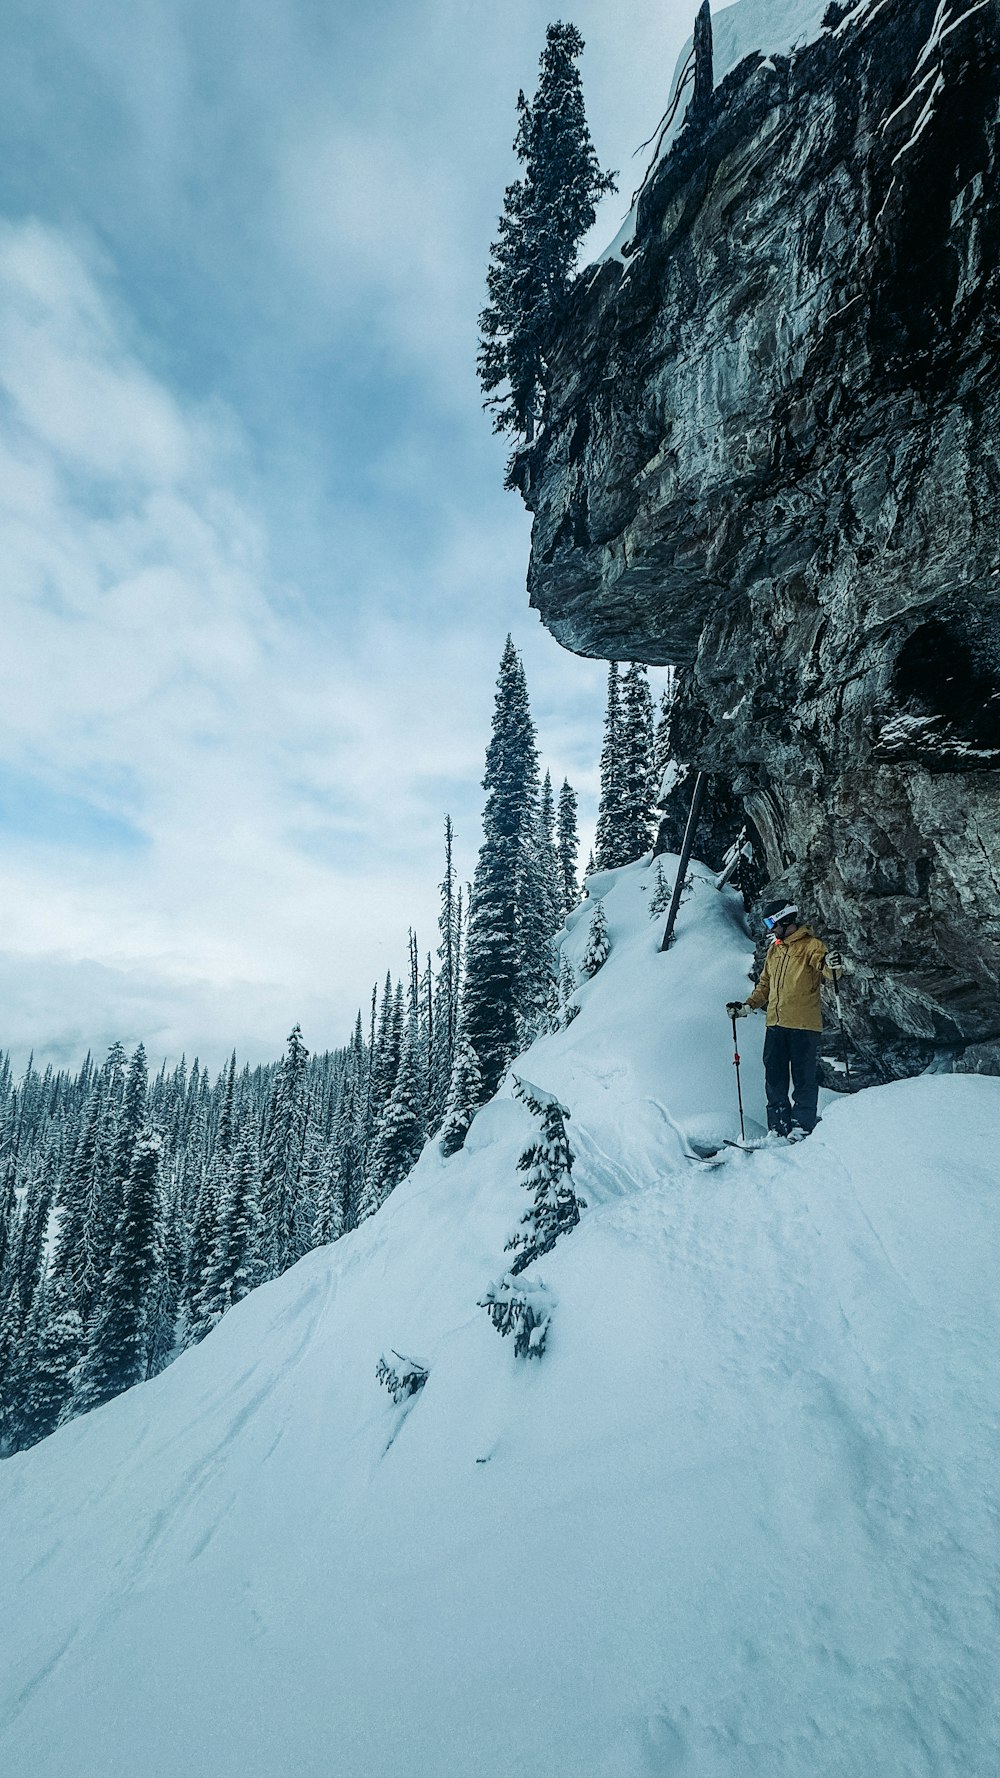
(785, 913)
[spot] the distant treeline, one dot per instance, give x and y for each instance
(135, 1212)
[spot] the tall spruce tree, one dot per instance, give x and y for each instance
(283, 1153)
(499, 986)
(28, 1251)
(637, 778)
(539, 919)
(549, 862)
(402, 1129)
(464, 1097)
(235, 1265)
(608, 847)
(343, 1179)
(69, 1251)
(546, 214)
(165, 1304)
(568, 846)
(203, 1222)
(446, 988)
(14, 1369)
(118, 1340)
(54, 1359)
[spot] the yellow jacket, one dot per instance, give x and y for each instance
(790, 981)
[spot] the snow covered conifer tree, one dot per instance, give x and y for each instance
(28, 1252)
(464, 1097)
(8, 1214)
(608, 848)
(659, 901)
(446, 988)
(568, 846)
(56, 1354)
(637, 788)
(203, 1224)
(402, 1130)
(12, 1369)
(500, 981)
(283, 1153)
(568, 1007)
(166, 1299)
(331, 1200)
(549, 861)
(546, 215)
(129, 1122)
(235, 1266)
(75, 1197)
(547, 1165)
(385, 1058)
(307, 1196)
(661, 738)
(226, 1134)
(117, 1352)
(598, 942)
(342, 1184)
(539, 917)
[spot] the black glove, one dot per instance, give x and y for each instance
(737, 1009)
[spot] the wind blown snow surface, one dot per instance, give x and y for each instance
(739, 1519)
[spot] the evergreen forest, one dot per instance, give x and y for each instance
(136, 1208)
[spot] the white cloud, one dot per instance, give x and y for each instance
(299, 203)
(273, 763)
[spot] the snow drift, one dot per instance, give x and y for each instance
(739, 1519)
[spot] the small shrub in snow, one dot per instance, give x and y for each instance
(522, 1308)
(598, 943)
(659, 901)
(465, 1095)
(547, 1164)
(403, 1381)
(568, 1007)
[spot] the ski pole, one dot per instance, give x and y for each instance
(840, 1022)
(739, 1089)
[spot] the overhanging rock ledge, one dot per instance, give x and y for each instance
(769, 455)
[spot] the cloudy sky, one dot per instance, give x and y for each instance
(258, 565)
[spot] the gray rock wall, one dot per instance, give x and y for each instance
(770, 455)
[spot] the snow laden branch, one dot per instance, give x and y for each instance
(404, 1378)
(522, 1308)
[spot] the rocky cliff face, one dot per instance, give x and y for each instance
(770, 455)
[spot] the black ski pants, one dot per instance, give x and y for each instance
(797, 1052)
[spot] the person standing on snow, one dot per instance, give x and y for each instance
(796, 965)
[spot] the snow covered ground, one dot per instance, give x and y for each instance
(740, 1519)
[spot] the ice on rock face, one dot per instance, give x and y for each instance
(748, 1490)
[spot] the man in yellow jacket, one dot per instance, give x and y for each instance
(796, 965)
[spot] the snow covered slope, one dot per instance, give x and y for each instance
(740, 1518)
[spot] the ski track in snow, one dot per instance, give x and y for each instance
(739, 1522)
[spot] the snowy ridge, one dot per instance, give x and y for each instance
(738, 1519)
(774, 27)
